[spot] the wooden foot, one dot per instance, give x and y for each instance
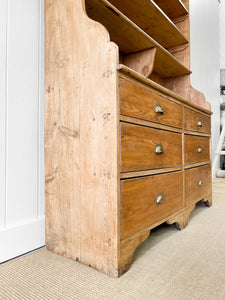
(182, 218)
(208, 201)
(127, 249)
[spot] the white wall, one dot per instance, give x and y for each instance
(21, 127)
(205, 57)
(222, 34)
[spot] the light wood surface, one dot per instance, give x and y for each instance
(192, 143)
(130, 38)
(104, 135)
(149, 124)
(138, 145)
(139, 208)
(181, 218)
(182, 86)
(139, 102)
(142, 61)
(81, 170)
(198, 164)
(198, 184)
(149, 172)
(192, 119)
(197, 133)
(148, 18)
(172, 8)
(127, 248)
(157, 87)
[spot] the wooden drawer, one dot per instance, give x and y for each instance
(138, 148)
(139, 102)
(197, 184)
(195, 121)
(139, 200)
(196, 149)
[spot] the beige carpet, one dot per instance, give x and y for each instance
(170, 265)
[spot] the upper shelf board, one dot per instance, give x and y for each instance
(150, 18)
(131, 39)
(172, 8)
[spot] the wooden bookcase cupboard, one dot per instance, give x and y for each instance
(127, 139)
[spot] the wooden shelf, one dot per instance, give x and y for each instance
(152, 20)
(172, 8)
(131, 39)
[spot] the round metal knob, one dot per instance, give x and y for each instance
(159, 149)
(160, 198)
(159, 109)
(199, 149)
(200, 183)
(199, 123)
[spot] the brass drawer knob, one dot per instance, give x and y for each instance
(200, 183)
(159, 109)
(200, 123)
(160, 198)
(159, 149)
(199, 149)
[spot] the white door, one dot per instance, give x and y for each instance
(21, 127)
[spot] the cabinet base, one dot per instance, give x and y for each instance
(182, 218)
(128, 246)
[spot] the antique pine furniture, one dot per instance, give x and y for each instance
(127, 139)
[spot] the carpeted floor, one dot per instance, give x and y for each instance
(170, 265)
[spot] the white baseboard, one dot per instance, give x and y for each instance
(22, 239)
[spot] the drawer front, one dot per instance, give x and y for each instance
(141, 147)
(197, 184)
(195, 121)
(147, 200)
(196, 149)
(139, 102)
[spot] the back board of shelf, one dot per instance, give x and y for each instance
(172, 8)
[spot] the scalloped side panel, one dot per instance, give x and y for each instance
(81, 144)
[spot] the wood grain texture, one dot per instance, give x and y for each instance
(142, 62)
(123, 32)
(130, 38)
(129, 73)
(100, 121)
(182, 217)
(139, 102)
(127, 248)
(149, 124)
(139, 208)
(148, 18)
(182, 23)
(198, 164)
(172, 8)
(191, 122)
(138, 148)
(191, 144)
(149, 172)
(195, 192)
(182, 86)
(81, 170)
